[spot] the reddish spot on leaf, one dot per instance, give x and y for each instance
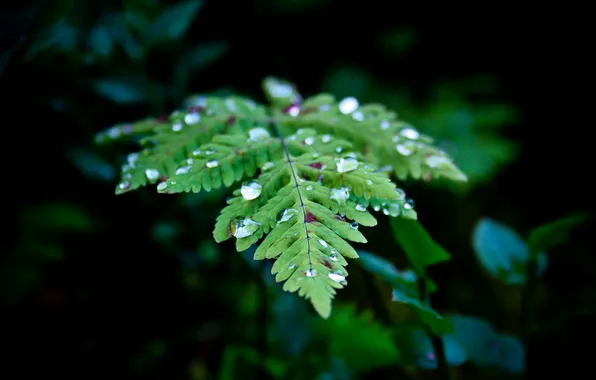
(163, 178)
(427, 177)
(309, 218)
(316, 165)
(307, 110)
(231, 120)
(292, 109)
(196, 109)
(327, 264)
(163, 118)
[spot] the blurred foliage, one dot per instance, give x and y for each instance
(135, 286)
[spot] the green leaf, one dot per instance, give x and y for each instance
(173, 22)
(120, 91)
(485, 347)
(502, 252)
(56, 217)
(418, 245)
(552, 234)
(435, 321)
(386, 270)
(357, 339)
(416, 348)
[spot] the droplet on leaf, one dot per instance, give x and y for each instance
(212, 164)
(124, 185)
(385, 124)
(267, 166)
(251, 190)
(242, 228)
(354, 225)
(183, 170)
(323, 243)
(347, 164)
(258, 134)
(439, 162)
(309, 140)
(405, 149)
(340, 195)
(310, 273)
(286, 215)
(162, 186)
(360, 207)
(336, 277)
(177, 126)
(326, 138)
(409, 204)
(196, 152)
(358, 116)
(209, 151)
(409, 133)
(192, 118)
(348, 105)
(151, 174)
(309, 187)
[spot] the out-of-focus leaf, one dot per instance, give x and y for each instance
(61, 37)
(502, 252)
(56, 217)
(552, 234)
(205, 54)
(120, 91)
(100, 40)
(231, 367)
(397, 40)
(91, 165)
(435, 321)
(357, 339)
(291, 318)
(172, 23)
(386, 270)
(485, 347)
(416, 348)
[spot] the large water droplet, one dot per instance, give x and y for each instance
(258, 134)
(132, 159)
(177, 126)
(391, 209)
(358, 116)
(267, 166)
(409, 133)
(293, 110)
(151, 174)
(354, 225)
(251, 190)
(405, 149)
(242, 228)
(348, 105)
(401, 193)
(336, 277)
(192, 118)
(340, 195)
(309, 140)
(347, 164)
(439, 162)
(196, 152)
(212, 164)
(385, 124)
(326, 138)
(309, 187)
(409, 204)
(162, 186)
(286, 215)
(377, 208)
(124, 185)
(339, 149)
(360, 207)
(323, 243)
(183, 170)
(310, 273)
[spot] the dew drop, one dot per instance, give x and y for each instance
(340, 195)
(258, 134)
(333, 256)
(293, 110)
(291, 266)
(409, 204)
(267, 166)
(377, 208)
(348, 105)
(231, 105)
(310, 273)
(354, 225)
(324, 108)
(190, 161)
(336, 277)
(392, 209)
(196, 152)
(242, 228)
(132, 159)
(323, 243)
(183, 170)
(212, 164)
(439, 162)
(360, 207)
(309, 187)
(385, 124)
(401, 193)
(309, 140)
(395, 139)
(209, 151)
(409, 133)
(405, 149)
(347, 164)
(151, 174)
(326, 138)
(358, 115)
(286, 215)
(177, 126)
(369, 182)
(114, 132)
(251, 190)
(124, 185)
(192, 118)
(339, 149)
(162, 186)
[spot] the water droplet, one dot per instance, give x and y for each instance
(395, 139)
(300, 131)
(309, 187)
(258, 134)
(293, 110)
(336, 277)
(242, 228)
(190, 161)
(212, 164)
(354, 225)
(124, 185)
(405, 149)
(347, 164)
(279, 89)
(162, 186)
(377, 208)
(439, 162)
(369, 182)
(360, 207)
(401, 193)
(392, 209)
(310, 273)
(114, 132)
(251, 190)
(183, 170)
(267, 166)
(151, 174)
(291, 266)
(323, 243)
(333, 255)
(409, 133)
(196, 152)
(132, 159)
(340, 195)
(348, 105)
(339, 149)
(326, 138)
(286, 215)
(324, 108)
(309, 140)
(358, 116)
(177, 126)
(409, 204)
(209, 151)
(192, 118)
(231, 105)
(385, 124)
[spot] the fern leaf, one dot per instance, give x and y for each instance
(386, 141)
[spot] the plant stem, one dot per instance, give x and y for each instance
(437, 342)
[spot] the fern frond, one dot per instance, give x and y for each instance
(385, 140)
(310, 173)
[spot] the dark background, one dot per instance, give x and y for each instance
(95, 285)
